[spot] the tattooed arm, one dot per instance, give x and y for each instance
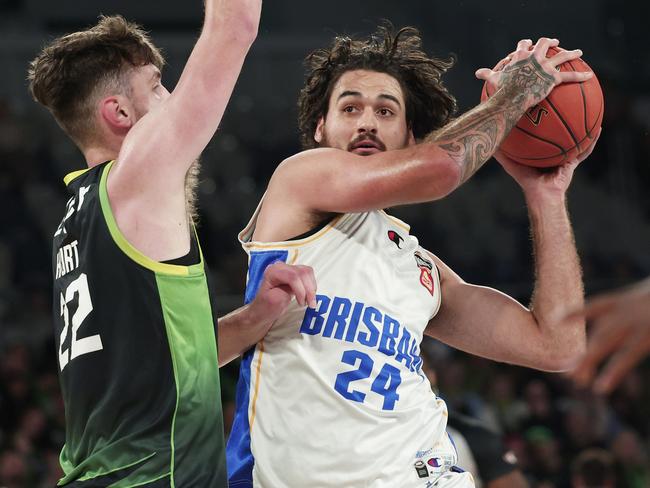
(526, 80)
(360, 165)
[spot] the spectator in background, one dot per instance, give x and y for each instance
(632, 459)
(542, 410)
(585, 424)
(13, 471)
(481, 450)
(593, 468)
(547, 465)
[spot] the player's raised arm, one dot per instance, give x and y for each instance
(160, 148)
(370, 113)
(488, 323)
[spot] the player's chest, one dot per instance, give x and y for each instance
(381, 266)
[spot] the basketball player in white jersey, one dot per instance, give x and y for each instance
(334, 396)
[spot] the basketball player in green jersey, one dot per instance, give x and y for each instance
(135, 323)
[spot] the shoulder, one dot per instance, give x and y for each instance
(309, 161)
(447, 275)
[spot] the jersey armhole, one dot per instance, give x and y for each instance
(126, 247)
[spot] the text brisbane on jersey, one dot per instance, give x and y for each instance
(137, 354)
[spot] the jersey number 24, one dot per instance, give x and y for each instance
(385, 384)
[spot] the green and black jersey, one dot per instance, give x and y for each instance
(137, 354)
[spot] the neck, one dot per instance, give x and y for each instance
(98, 155)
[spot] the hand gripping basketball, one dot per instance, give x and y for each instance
(557, 129)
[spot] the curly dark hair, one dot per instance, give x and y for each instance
(429, 105)
(72, 71)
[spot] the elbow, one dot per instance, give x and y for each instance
(242, 33)
(239, 26)
(448, 177)
(569, 361)
(561, 361)
(441, 170)
(561, 365)
(248, 28)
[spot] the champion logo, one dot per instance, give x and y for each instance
(396, 238)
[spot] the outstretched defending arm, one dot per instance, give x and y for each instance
(146, 186)
(246, 326)
(160, 148)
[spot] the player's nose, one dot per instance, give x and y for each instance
(367, 122)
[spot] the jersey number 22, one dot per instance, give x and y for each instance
(78, 346)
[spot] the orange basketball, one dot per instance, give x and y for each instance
(560, 127)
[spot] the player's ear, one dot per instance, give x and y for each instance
(117, 112)
(318, 133)
(411, 138)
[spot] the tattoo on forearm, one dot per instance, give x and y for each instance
(472, 139)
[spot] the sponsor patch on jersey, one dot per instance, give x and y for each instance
(426, 266)
(421, 454)
(396, 238)
(421, 469)
(439, 462)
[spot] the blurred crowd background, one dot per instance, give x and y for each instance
(481, 230)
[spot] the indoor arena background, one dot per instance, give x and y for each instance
(481, 230)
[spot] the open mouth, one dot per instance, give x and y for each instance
(366, 147)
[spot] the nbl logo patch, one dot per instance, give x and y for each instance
(421, 469)
(426, 267)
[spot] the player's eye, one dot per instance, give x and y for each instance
(349, 109)
(385, 112)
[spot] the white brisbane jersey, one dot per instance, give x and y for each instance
(335, 396)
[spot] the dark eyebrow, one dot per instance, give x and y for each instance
(350, 93)
(390, 97)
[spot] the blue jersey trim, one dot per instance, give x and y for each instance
(239, 457)
(451, 438)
